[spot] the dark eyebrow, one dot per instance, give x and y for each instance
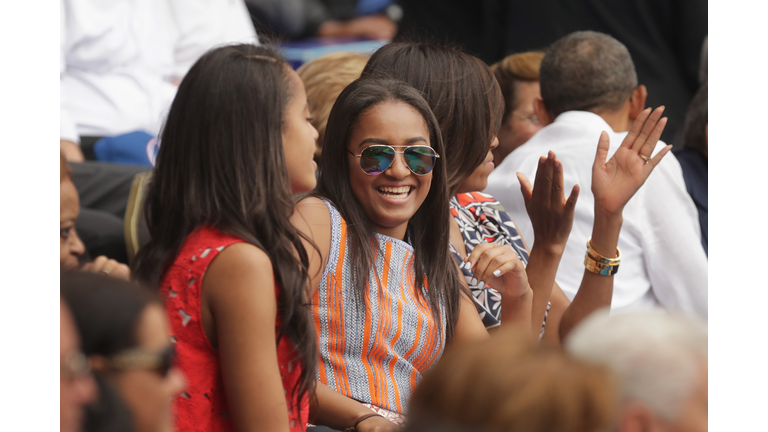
(385, 142)
(415, 140)
(374, 141)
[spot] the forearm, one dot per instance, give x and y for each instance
(595, 291)
(541, 271)
(335, 410)
(516, 312)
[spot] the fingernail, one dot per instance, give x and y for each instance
(550, 155)
(497, 272)
(467, 265)
(542, 160)
(474, 281)
(481, 285)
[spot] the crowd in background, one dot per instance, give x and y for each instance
(479, 227)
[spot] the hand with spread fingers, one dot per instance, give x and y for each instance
(615, 182)
(108, 267)
(498, 265)
(550, 213)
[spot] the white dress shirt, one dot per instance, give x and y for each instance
(120, 58)
(662, 260)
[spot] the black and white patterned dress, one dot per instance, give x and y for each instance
(482, 219)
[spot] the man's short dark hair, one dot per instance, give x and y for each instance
(586, 70)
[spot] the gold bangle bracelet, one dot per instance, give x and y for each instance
(600, 268)
(595, 255)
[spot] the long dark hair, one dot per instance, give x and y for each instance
(221, 163)
(460, 89)
(107, 313)
(428, 228)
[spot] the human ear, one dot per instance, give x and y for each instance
(545, 117)
(637, 101)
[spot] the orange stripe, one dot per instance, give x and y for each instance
(375, 356)
(429, 342)
(338, 290)
(365, 355)
(334, 343)
(386, 310)
(343, 341)
(316, 313)
(395, 339)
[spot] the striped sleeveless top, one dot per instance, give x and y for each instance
(378, 357)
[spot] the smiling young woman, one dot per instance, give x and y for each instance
(386, 295)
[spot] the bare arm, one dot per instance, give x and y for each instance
(239, 314)
(497, 264)
(613, 185)
(552, 218)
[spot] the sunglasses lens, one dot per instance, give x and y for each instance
(420, 160)
(376, 159)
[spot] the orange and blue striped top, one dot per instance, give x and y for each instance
(375, 355)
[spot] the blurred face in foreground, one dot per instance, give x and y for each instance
(147, 391)
(77, 386)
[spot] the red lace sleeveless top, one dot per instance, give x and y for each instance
(203, 405)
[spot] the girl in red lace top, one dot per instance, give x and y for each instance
(231, 267)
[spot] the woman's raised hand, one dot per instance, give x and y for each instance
(550, 213)
(499, 266)
(615, 182)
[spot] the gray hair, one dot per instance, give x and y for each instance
(657, 356)
(586, 70)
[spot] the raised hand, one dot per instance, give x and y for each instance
(550, 213)
(615, 182)
(498, 265)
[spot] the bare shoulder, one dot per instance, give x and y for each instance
(242, 257)
(241, 266)
(312, 210)
(312, 218)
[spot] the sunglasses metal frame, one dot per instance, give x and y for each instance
(437, 156)
(161, 362)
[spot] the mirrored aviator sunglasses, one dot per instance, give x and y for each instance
(375, 159)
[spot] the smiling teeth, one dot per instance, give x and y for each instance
(396, 190)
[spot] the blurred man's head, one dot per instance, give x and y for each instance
(589, 71)
(660, 362)
(77, 385)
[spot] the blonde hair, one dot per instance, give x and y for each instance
(512, 69)
(513, 386)
(324, 78)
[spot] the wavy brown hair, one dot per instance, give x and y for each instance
(221, 163)
(428, 228)
(461, 91)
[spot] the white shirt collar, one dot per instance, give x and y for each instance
(584, 118)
